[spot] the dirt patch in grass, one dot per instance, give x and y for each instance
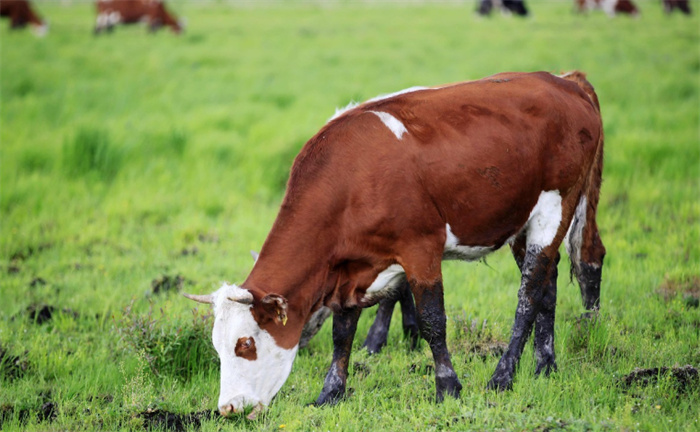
(172, 421)
(688, 287)
(36, 282)
(490, 348)
(27, 252)
(12, 366)
(189, 251)
(47, 412)
(477, 338)
(685, 377)
(361, 369)
(167, 283)
(43, 313)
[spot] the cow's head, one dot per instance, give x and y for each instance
(253, 365)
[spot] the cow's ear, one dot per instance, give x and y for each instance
(276, 306)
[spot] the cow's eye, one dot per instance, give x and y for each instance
(245, 347)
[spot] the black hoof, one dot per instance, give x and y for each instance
(374, 346)
(500, 383)
(451, 387)
(546, 369)
(330, 398)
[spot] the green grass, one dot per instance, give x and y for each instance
(130, 157)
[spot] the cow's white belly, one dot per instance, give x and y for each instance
(392, 276)
(540, 230)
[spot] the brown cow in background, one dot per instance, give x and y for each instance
(152, 12)
(21, 13)
(611, 7)
(681, 5)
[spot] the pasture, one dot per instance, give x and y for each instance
(136, 166)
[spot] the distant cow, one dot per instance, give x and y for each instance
(681, 5)
(21, 13)
(388, 189)
(152, 12)
(611, 7)
(509, 6)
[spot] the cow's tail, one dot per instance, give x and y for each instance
(583, 242)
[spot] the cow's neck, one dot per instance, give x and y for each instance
(294, 262)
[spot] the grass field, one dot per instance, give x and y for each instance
(135, 166)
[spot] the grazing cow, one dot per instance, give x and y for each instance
(611, 7)
(152, 12)
(508, 6)
(388, 189)
(21, 13)
(681, 5)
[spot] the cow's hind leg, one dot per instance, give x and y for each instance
(377, 336)
(536, 272)
(344, 327)
(432, 323)
(544, 324)
(544, 320)
(586, 251)
(409, 318)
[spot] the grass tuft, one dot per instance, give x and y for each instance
(476, 337)
(91, 153)
(182, 351)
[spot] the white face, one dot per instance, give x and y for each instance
(253, 366)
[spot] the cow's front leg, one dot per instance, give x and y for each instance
(432, 323)
(344, 327)
(536, 267)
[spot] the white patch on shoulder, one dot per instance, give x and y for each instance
(544, 220)
(340, 111)
(394, 124)
(386, 280)
(455, 251)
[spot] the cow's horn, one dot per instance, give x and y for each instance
(200, 298)
(244, 297)
(255, 255)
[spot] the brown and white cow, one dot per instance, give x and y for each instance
(611, 7)
(151, 12)
(681, 5)
(388, 189)
(21, 14)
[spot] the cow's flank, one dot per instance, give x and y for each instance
(389, 188)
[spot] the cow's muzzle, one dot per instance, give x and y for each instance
(230, 408)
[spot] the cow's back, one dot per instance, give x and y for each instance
(475, 155)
